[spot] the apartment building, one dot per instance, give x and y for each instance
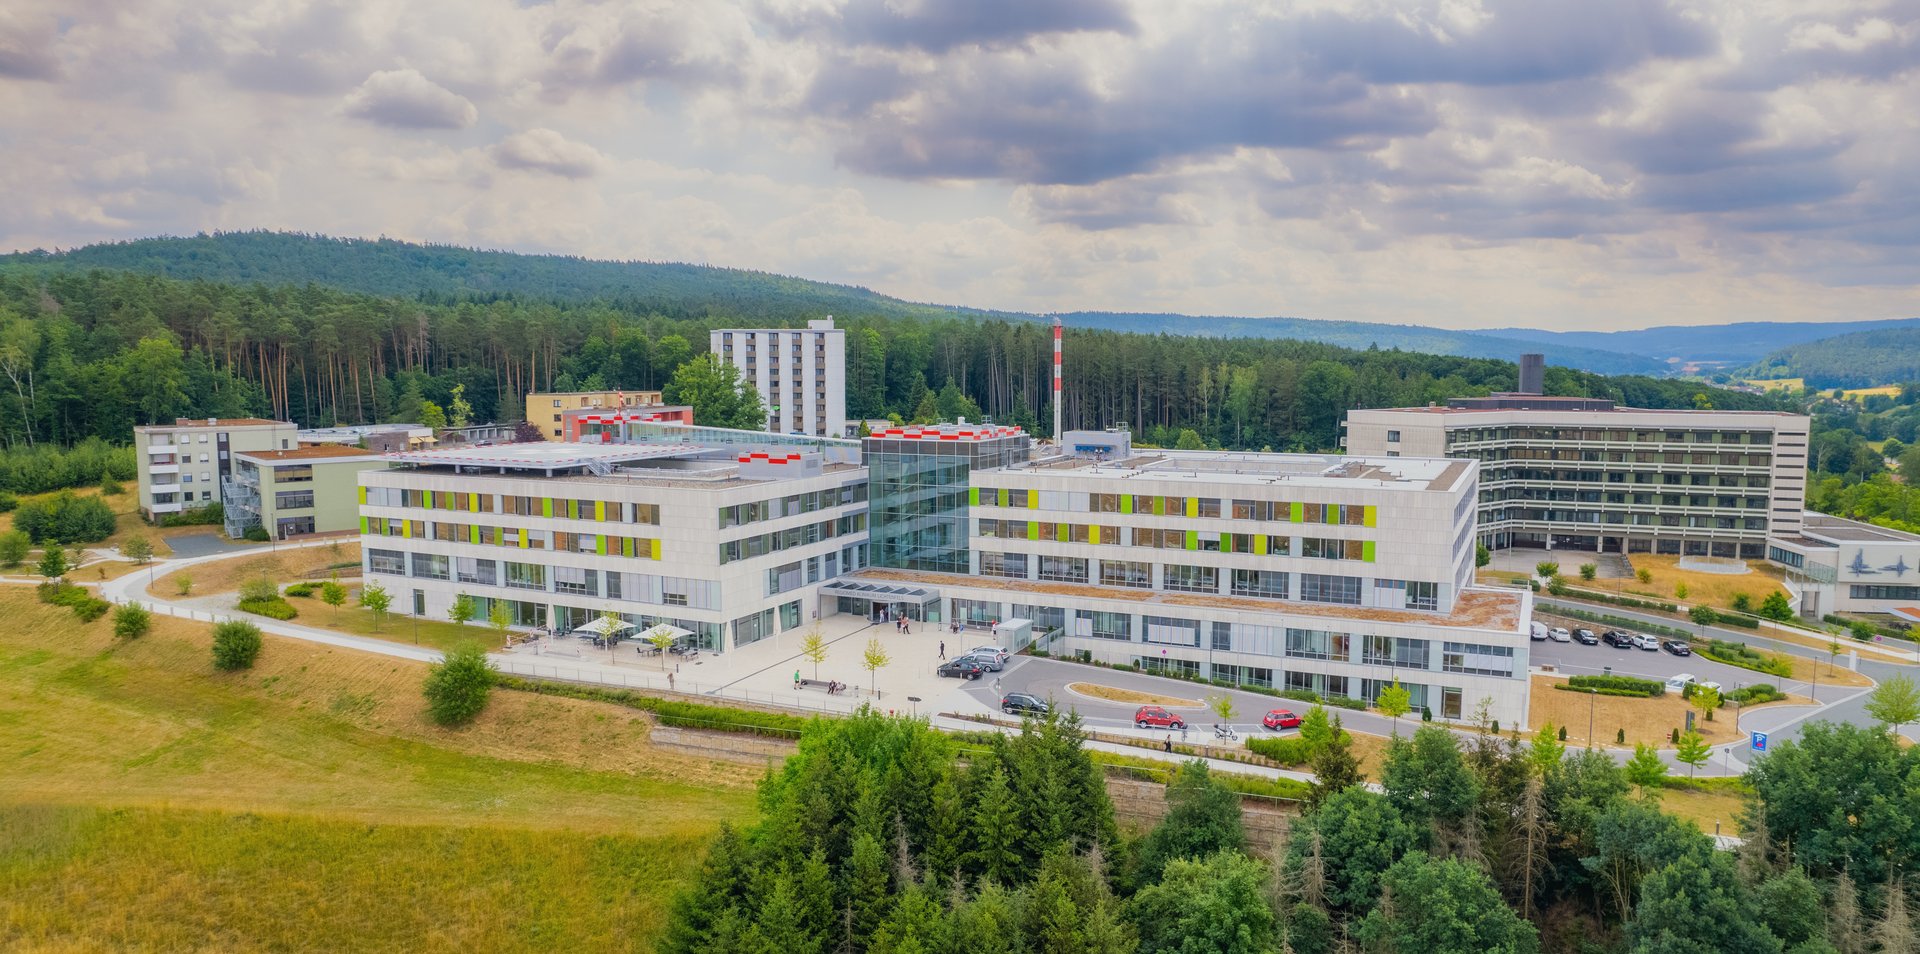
(309, 489)
(1583, 474)
(729, 544)
(182, 465)
(546, 409)
(1336, 575)
(801, 373)
(1835, 565)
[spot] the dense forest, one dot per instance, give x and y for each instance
(882, 836)
(1851, 477)
(444, 272)
(1859, 360)
(87, 354)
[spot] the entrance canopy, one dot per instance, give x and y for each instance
(880, 592)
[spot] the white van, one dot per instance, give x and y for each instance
(1539, 633)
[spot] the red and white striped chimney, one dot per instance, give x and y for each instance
(1056, 379)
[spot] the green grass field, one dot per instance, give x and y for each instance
(148, 803)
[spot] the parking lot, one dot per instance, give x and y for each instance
(1576, 659)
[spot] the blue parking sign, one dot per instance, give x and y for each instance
(1759, 741)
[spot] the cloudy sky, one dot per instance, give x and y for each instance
(1572, 164)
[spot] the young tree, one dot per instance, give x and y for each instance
(131, 621)
(182, 583)
(1316, 730)
(1203, 817)
(14, 545)
(1588, 571)
(1393, 702)
(1693, 751)
(1697, 904)
(457, 686)
(459, 412)
(1680, 591)
(333, 594)
(377, 600)
(1546, 569)
(1645, 576)
(1703, 617)
(1706, 699)
(1645, 770)
(1481, 555)
(1335, 769)
(717, 393)
(1547, 750)
(662, 639)
(1859, 629)
(1742, 603)
(1223, 708)
(499, 616)
(874, 659)
(1776, 606)
(53, 562)
(814, 648)
(1210, 902)
(235, 645)
(1894, 702)
(462, 609)
(137, 548)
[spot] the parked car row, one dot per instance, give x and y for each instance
(1618, 639)
(974, 662)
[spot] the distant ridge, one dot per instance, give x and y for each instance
(1863, 359)
(394, 268)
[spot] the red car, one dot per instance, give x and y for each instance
(1155, 717)
(1280, 719)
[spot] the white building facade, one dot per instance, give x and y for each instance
(730, 548)
(1331, 575)
(801, 374)
(1835, 565)
(181, 465)
(1581, 474)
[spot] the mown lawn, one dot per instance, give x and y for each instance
(150, 803)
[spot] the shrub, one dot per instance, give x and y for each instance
(300, 589)
(61, 594)
(131, 621)
(14, 545)
(1753, 695)
(1588, 571)
(183, 583)
(110, 487)
(257, 589)
(66, 518)
(90, 608)
(457, 686)
(235, 645)
(1615, 685)
(1679, 591)
(256, 534)
(1645, 576)
(208, 515)
(1546, 569)
(8, 501)
(275, 608)
(1742, 602)
(1746, 657)
(1288, 751)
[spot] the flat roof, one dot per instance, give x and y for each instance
(218, 422)
(1473, 608)
(309, 452)
(544, 455)
(1294, 470)
(1617, 409)
(1851, 531)
(946, 432)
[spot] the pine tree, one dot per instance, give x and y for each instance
(1755, 843)
(869, 888)
(1334, 768)
(1313, 873)
(1527, 863)
(996, 831)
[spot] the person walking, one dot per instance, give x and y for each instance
(669, 682)
(796, 679)
(943, 649)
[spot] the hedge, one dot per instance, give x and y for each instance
(1617, 685)
(1744, 656)
(1735, 619)
(301, 589)
(1627, 601)
(690, 715)
(272, 609)
(1751, 695)
(1291, 750)
(1155, 770)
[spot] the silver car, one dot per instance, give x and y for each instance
(988, 659)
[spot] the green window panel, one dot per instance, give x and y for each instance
(1193, 539)
(1033, 529)
(973, 496)
(1226, 543)
(363, 520)
(473, 533)
(1002, 499)
(1060, 532)
(600, 545)
(1366, 550)
(626, 547)
(1299, 513)
(546, 506)
(1159, 506)
(1126, 503)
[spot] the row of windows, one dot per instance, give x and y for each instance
(762, 544)
(1399, 652)
(1165, 506)
(479, 571)
(1254, 543)
(608, 511)
(1884, 592)
(526, 538)
(792, 505)
(1615, 435)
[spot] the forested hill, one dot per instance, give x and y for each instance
(446, 273)
(92, 353)
(1859, 360)
(1743, 341)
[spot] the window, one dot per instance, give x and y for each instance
(472, 570)
(1008, 565)
(786, 577)
(526, 576)
(1884, 592)
(1063, 569)
(1173, 632)
(1450, 703)
(1262, 583)
(1191, 579)
(1126, 573)
(391, 562)
(569, 579)
(431, 566)
(1476, 659)
(293, 500)
(1101, 625)
(1222, 637)
(1393, 437)
(1321, 588)
(1209, 507)
(1324, 549)
(1319, 644)
(1398, 651)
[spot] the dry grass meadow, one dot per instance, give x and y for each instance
(149, 803)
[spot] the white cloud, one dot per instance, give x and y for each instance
(543, 150)
(404, 99)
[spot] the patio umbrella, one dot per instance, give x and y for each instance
(603, 627)
(664, 629)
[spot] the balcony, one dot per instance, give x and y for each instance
(164, 467)
(171, 506)
(161, 448)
